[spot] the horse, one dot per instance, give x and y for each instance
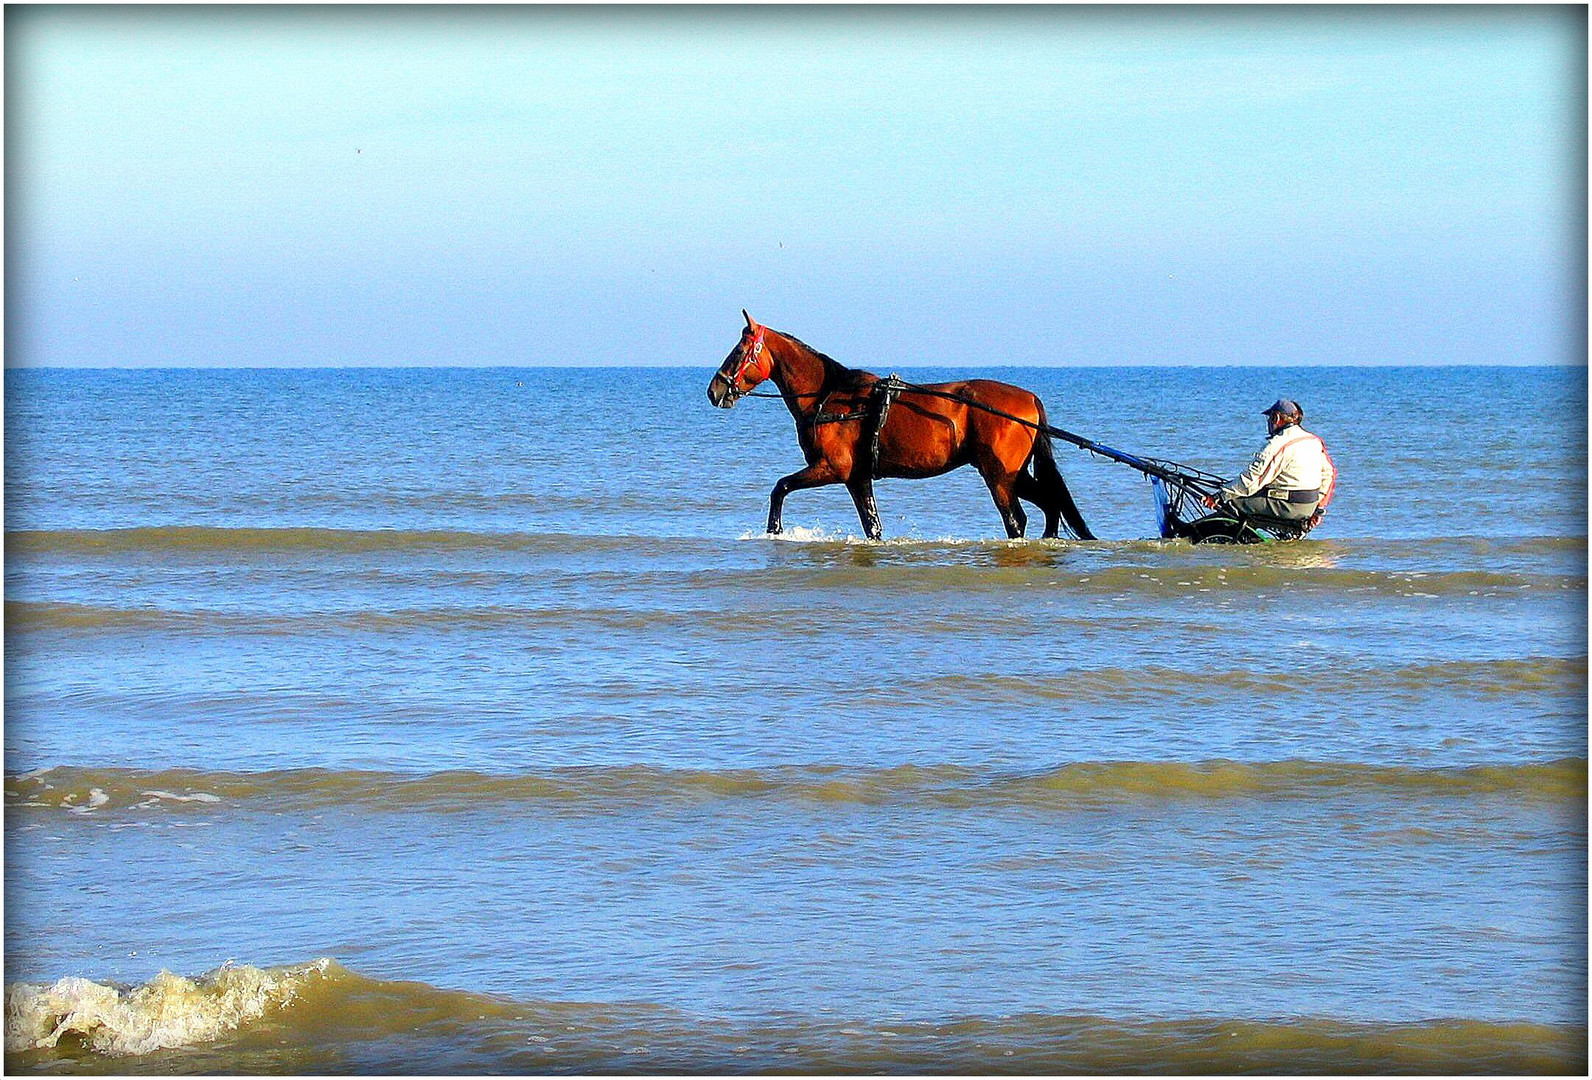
(838, 412)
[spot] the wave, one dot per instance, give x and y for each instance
(167, 1012)
(1560, 677)
(642, 500)
(104, 790)
(27, 616)
(1500, 677)
(322, 1017)
(1468, 562)
(213, 539)
(801, 610)
(1031, 567)
(31, 616)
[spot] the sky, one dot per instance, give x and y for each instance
(898, 187)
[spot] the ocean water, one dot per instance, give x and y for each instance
(463, 720)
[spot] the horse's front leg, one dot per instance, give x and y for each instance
(861, 488)
(815, 475)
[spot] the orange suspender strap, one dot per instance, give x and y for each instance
(1332, 478)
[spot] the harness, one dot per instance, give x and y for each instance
(873, 415)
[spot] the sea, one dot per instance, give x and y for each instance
(465, 721)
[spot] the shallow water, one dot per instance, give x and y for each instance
(486, 682)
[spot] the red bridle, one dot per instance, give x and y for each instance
(754, 359)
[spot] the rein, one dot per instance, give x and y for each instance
(1163, 470)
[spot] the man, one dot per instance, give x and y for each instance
(1291, 478)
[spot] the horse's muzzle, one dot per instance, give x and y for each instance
(720, 393)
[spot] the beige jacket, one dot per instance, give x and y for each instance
(1292, 460)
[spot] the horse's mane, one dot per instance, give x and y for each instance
(837, 376)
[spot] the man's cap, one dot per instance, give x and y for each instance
(1285, 406)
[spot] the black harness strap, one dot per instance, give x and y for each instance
(880, 397)
(821, 417)
(884, 392)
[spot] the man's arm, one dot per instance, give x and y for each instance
(1260, 471)
(1329, 477)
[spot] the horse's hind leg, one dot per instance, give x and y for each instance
(861, 488)
(815, 475)
(1031, 489)
(1003, 489)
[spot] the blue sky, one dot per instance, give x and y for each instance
(361, 186)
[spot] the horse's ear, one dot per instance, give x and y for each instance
(749, 321)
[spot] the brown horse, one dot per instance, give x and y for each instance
(836, 409)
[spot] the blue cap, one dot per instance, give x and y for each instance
(1285, 406)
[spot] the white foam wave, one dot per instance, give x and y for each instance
(803, 534)
(817, 534)
(167, 1012)
(96, 799)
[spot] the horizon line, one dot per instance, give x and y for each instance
(10, 368)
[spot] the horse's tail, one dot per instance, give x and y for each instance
(1043, 461)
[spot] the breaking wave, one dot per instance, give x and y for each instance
(167, 1012)
(322, 1017)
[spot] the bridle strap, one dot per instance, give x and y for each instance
(755, 353)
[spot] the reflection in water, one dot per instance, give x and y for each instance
(1297, 554)
(1020, 553)
(819, 548)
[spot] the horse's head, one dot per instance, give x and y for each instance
(748, 364)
